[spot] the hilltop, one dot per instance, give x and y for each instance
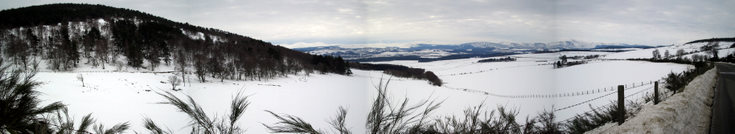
(65, 37)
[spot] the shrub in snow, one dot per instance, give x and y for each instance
(591, 120)
(174, 81)
(676, 81)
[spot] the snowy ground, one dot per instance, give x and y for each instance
(532, 75)
(121, 97)
(687, 112)
(647, 53)
(528, 85)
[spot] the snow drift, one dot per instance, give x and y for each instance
(686, 112)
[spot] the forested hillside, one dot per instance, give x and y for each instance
(64, 36)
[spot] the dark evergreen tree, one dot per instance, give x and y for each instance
(33, 42)
(17, 51)
(91, 39)
(126, 39)
(214, 66)
(200, 62)
(433, 79)
(69, 48)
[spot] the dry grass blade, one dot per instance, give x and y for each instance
(20, 111)
(153, 127)
(237, 108)
(291, 124)
(201, 123)
(195, 112)
(119, 128)
(339, 122)
(87, 121)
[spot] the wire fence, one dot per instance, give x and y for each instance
(565, 93)
(485, 70)
(606, 92)
(598, 108)
(600, 97)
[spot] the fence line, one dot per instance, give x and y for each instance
(591, 109)
(596, 98)
(554, 95)
(586, 101)
(485, 70)
(603, 106)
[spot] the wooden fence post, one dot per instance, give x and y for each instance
(655, 93)
(621, 104)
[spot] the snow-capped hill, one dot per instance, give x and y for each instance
(485, 45)
(470, 49)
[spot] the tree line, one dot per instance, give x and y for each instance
(400, 71)
(506, 59)
(563, 61)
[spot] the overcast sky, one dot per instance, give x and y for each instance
(308, 22)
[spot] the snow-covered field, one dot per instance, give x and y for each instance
(120, 97)
(647, 53)
(532, 75)
(115, 97)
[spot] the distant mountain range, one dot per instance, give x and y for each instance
(431, 52)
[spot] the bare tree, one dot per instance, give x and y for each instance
(174, 81)
(180, 60)
(81, 78)
(711, 48)
(679, 53)
(656, 54)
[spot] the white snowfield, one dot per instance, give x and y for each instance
(115, 97)
(647, 53)
(687, 112)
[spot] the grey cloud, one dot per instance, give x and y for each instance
(651, 22)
